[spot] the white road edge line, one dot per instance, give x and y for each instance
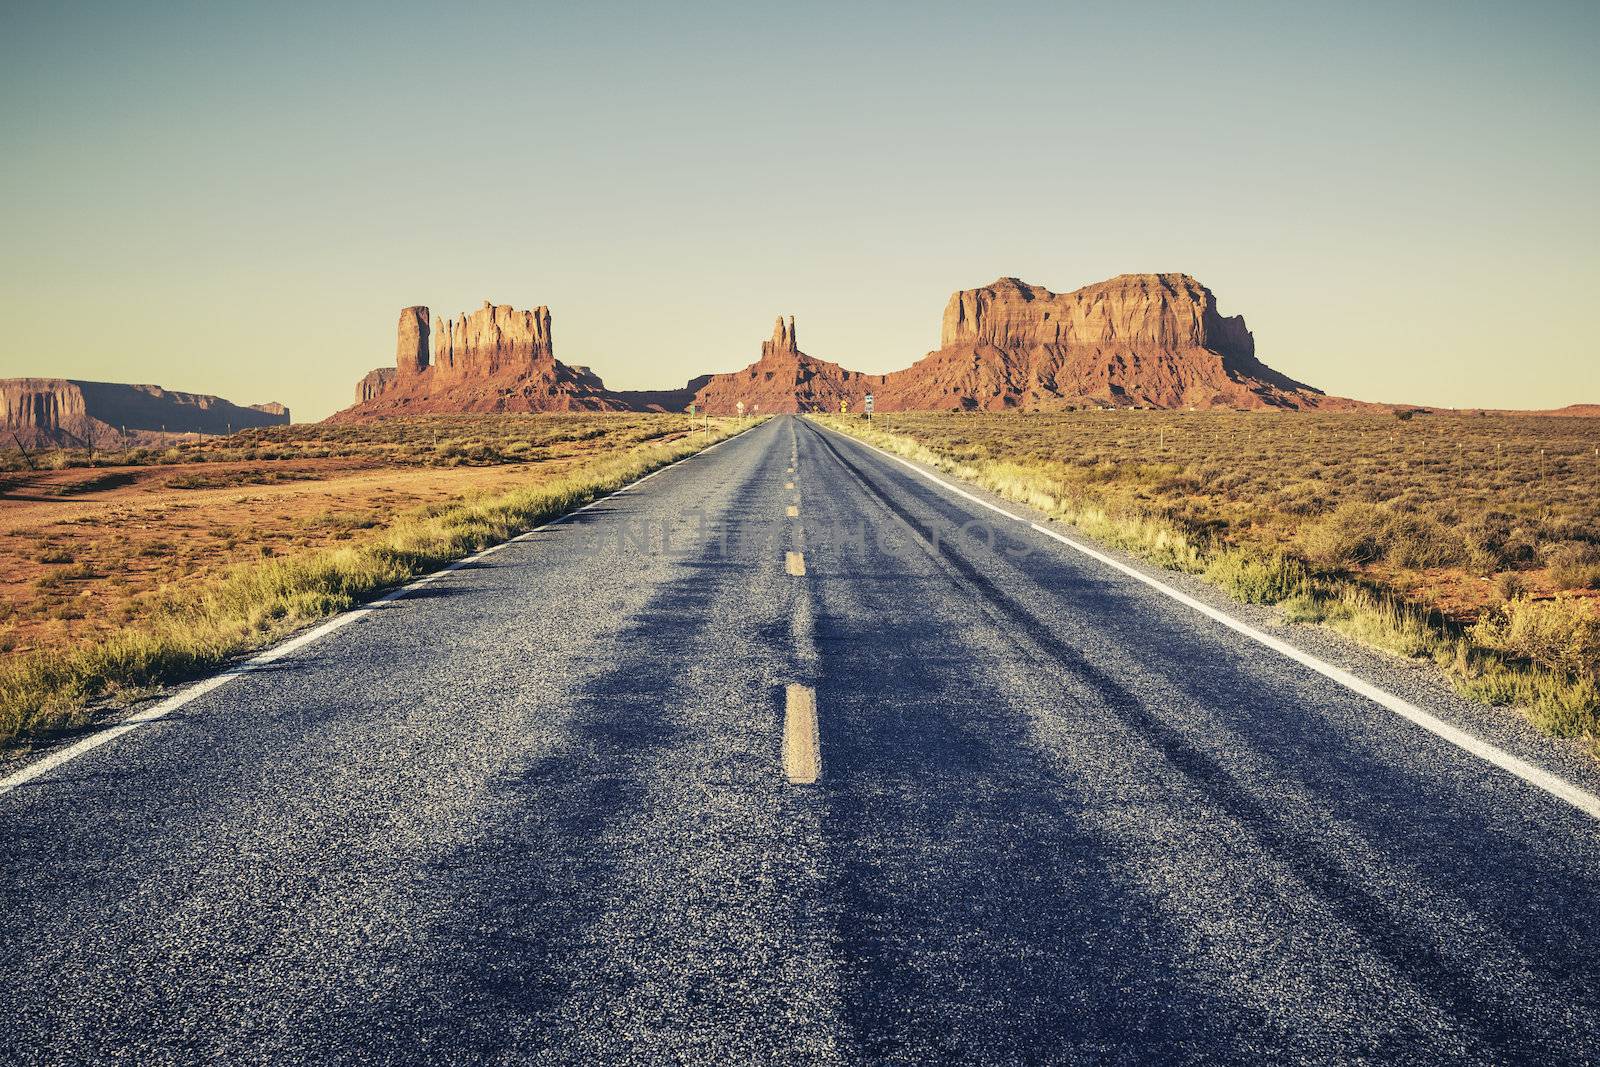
(1556, 786)
(199, 689)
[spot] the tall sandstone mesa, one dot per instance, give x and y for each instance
(497, 358)
(1138, 340)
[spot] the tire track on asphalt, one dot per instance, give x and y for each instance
(1408, 951)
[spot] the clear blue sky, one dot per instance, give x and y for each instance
(237, 199)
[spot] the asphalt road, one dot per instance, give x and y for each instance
(538, 811)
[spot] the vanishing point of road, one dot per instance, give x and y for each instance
(791, 754)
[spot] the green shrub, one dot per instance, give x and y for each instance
(1563, 633)
(1510, 586)
(1575, 565)
(1358, 532)
(1257, 579)
(1352, 534)
(1383, 622)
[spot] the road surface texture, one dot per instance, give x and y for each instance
(548, 808)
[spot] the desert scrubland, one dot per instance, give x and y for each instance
(1470, 540)
(126, 570)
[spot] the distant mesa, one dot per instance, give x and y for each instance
(1574, 411)
(662, 399)
(1137, 340)
(496, 358)
(66, 413)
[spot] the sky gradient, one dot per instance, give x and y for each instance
(237, 199)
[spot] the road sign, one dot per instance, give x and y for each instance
(844, 407)
(691, 408)
(740, 408)
(869, 405)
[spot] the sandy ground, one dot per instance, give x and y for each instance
(81, 549)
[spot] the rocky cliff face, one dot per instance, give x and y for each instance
(376, 383)
(497, 358)
(1167, 311)
(411, 344)
(60, 412)
(494, 340)
(784, 341)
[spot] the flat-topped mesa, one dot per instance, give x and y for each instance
(61, 412)
(411, 345)
(784, 341)
(1136, 340)
(1137, 311)
(493, 340)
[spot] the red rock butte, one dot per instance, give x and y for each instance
(1137, 340)
(496, 358)
(784, 379)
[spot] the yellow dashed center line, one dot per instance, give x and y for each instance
(802, 749)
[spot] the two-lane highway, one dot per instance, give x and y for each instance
(558, 806)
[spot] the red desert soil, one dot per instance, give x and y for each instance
(85, 550)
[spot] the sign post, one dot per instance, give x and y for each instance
(869, 407)
(739, 407)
